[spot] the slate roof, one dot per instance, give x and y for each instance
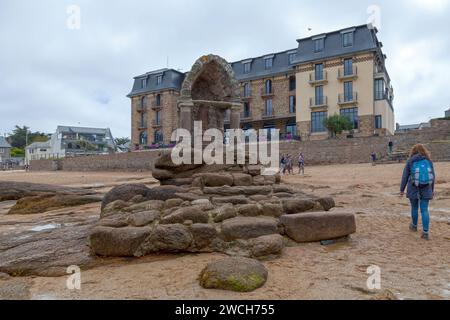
(280, 65)
(365, 39)
(83, 130)
(171, 79)
(4, 143)
(37, 145)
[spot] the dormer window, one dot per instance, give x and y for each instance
(268, 63)
(319, 45)
(159, 79)
(347, 39)
(291, 57)
(247, 67)
(144, 83)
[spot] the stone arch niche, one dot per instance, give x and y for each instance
(208, 91)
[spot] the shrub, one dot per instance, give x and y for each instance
(336, 124)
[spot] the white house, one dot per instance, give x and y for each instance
(5, 150)
(72, 141)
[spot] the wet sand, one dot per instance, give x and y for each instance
(411, 268)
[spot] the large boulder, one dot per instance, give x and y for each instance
(224, 191)
(140, 219)
(293, 206)
(217, 179)
(249, 210)
(261, 190)
(125, 193)
(224, 212)
(271, 209)
(233, 200)
(117, 242)
(12, 190)
(234, 274)
(203, 235)
(164, 162)
(327, 203)
(39, 204)
(160, 174)
(242, 179)
(113, 208)
(254, 170)
(194, 214)
(266, 245)
(318, 226)
(144, 206)
(163, 193)
(177, 182)
(248, 227)
(167, 238)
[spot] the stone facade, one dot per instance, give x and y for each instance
(345, 69)
(365, 71)
(330, 151)
(366, 125)
(257, 100)
(148, 109)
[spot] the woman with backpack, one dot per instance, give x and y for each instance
(419, 176)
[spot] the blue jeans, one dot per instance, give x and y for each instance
(423, 204)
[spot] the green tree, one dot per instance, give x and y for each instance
(17, 153)
(336, 124)
(22, 135)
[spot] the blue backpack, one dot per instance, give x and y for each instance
(422, 173)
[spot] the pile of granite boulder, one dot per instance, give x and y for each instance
(232, 209)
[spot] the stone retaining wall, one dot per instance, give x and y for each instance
(131, 161)
(356, 150)
(359, 150)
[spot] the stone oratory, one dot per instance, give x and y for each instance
(208, 92)
(232, 209)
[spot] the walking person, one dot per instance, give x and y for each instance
(419, 176)
(289, 165)
(283, 164)
(374, 158)
(301, 164)
(391, 146)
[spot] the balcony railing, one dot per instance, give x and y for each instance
(320, 101)
(345, 73)
(142, 126)
(246, 115)
(316, 78)
(267, 115)
(141, 109)
(156, 106)
(156, 123)
(267, 93)
(348, 98)
(246, 95)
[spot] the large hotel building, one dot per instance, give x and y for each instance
(341, 72)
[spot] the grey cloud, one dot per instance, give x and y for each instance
(50, 75)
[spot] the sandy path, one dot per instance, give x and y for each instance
(410, 267)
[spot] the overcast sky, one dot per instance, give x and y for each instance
(51, 75)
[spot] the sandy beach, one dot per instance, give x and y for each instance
(411, 268)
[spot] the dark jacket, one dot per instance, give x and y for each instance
(426, 192)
